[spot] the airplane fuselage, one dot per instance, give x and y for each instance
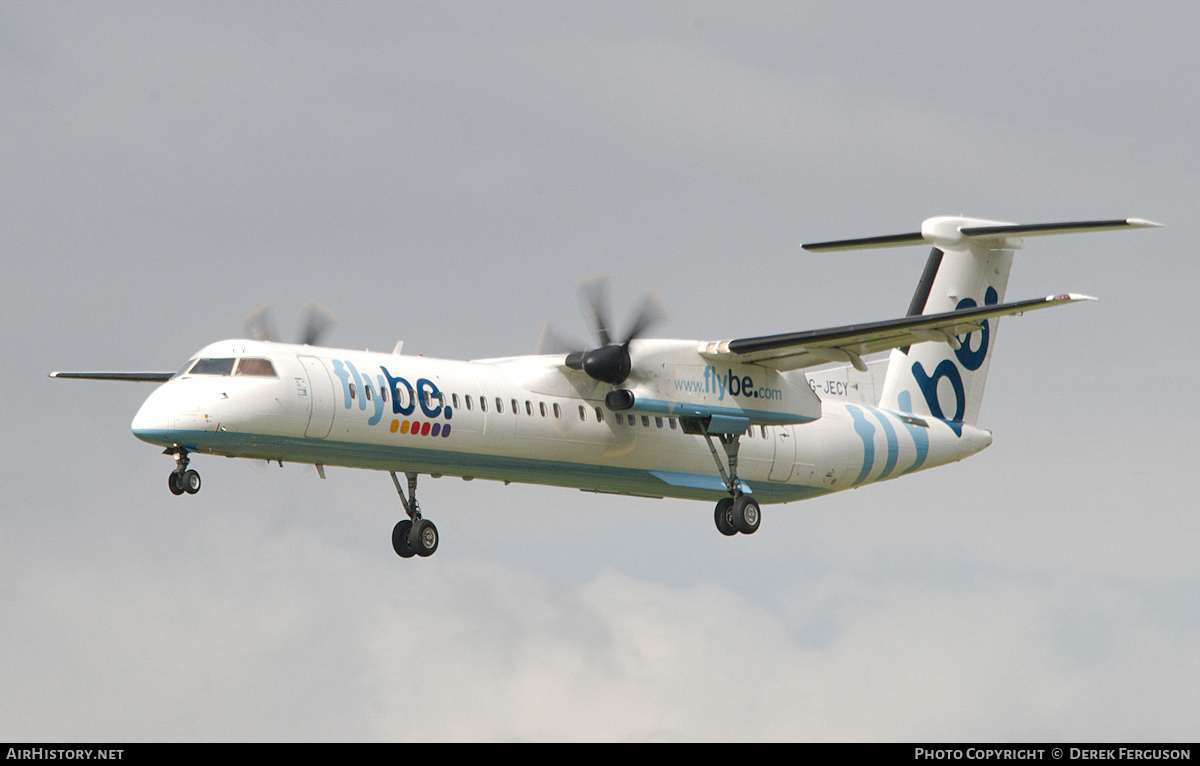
(522, 420)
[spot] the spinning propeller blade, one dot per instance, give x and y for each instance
(319, 320)
(259, 326)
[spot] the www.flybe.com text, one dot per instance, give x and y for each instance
(720, 383)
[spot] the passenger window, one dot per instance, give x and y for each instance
(599, 415)
(223, 366)
(516, 409)
(658, 422)
(557, 411)
(454, 400)
(257, 367)
(582, 413)
(404, 396)
(367, 390)
(528, 408)
(468, 402)
(542, 407)
(483, 403)
(499, 405)
(671, 421)
(645, 421)
(383, 393)
(353, 391)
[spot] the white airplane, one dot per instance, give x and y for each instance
(739, 422)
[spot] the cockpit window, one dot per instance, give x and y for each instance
(186, 366)
(221, 366)
(224, 366)
(259, 367)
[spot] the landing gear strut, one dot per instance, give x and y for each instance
(739, 512)
(182, 479)
(414, 535)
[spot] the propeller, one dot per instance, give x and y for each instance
(259, 326)
(550, 341)
(610, 362)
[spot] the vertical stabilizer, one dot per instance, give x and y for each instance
(933, 378)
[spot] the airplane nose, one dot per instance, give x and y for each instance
(153, 422)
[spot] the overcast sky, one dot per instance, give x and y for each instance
(445, 174)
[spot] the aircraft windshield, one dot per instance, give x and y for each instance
(256, 367)
(222, 366)
(259, 367)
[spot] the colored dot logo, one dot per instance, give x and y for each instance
(417, 428)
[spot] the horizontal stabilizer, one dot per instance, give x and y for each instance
(137, 377)
(948, 231)
(866, 243)
(1040, 229)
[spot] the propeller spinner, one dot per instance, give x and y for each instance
(610, 362)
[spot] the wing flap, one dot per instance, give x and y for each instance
(793, 351)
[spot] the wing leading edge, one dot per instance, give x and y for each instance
(793, 351)
(135, 377)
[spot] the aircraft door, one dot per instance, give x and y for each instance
(321, 398)
(785, 454)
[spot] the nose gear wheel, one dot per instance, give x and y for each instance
(182, 479)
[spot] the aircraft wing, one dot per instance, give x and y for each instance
(137, 377)
(793, 351)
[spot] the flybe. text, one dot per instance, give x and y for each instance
(359, 389)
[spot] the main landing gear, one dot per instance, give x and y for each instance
(413, 536)
(739, 512)
(182, 479)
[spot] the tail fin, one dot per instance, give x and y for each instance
(933, 378)
(969, 266)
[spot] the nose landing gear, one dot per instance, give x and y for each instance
(182, 479)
